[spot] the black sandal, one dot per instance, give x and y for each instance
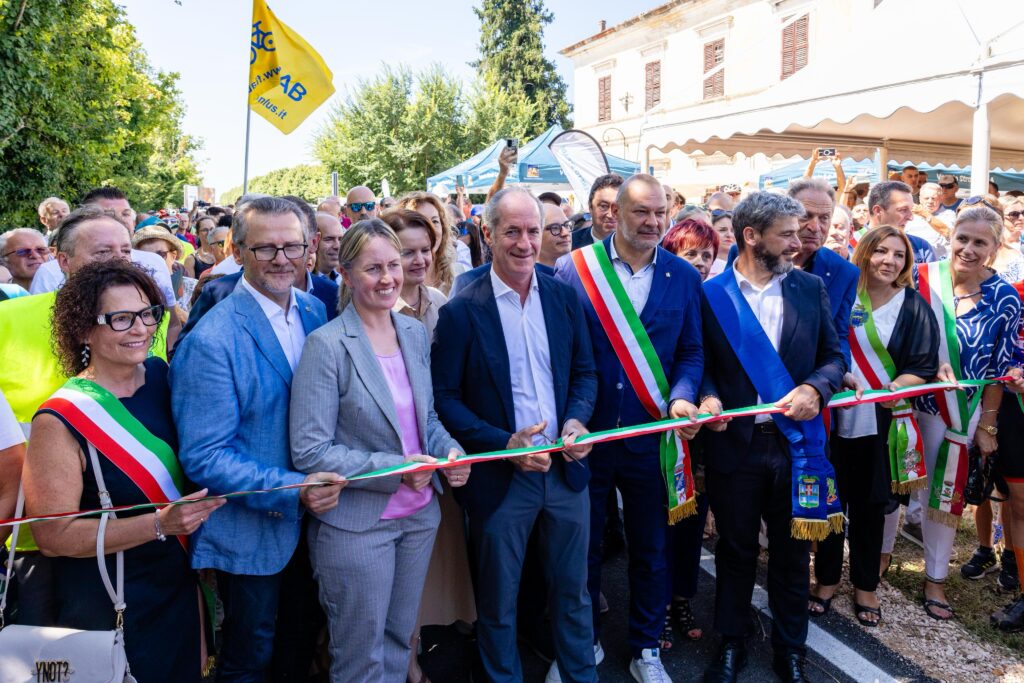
(826, 605)
(667, 638)
(682, 616)
(858, 609)
(928, 602)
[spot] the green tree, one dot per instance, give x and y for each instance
(82, 106)
(512, 59)
(312, 182)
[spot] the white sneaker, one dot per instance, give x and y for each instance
(649, 669)
(555, 677)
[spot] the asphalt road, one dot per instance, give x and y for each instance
(447, 655)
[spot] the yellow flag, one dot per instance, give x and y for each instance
(288, 79)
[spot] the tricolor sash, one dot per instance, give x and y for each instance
(946, 495)
(873, 364)
(621, 322)
(814, 515)
(148, 461)
(856, 237)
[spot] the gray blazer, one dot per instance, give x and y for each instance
(343, 420)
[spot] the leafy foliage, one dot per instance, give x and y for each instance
(512, 59)
(82, 107)
(312, 182)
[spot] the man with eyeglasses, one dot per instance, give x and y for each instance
(23, 250)
(556, 239)
(233, 431)
(949, 186)
(30, 373)
(360, 204)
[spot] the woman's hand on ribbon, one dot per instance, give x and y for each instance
(683, 408)
(712, 405)
(319, 499)
(182, 520)
(417, 480)
(946, 374)
(804, 403)
(893, 386)
(458, 475)
(572, 430)
(851, 383)
(1016, 385)
(524, 439)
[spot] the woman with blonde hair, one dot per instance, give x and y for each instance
(442, 273)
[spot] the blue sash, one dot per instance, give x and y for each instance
(814, 515)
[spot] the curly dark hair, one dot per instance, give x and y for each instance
(78, 304)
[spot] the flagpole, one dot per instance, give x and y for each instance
(248, 122)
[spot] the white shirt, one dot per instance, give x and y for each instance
(529, 357)
(49, 276)
(10, 431)
(919, 227)
(226, 267)
(766, 303)
(858, 421)
(463, 255)
(638, 285)
(287, 325)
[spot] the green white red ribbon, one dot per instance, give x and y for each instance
(840, 400)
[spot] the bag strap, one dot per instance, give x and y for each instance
(116, 594)
(19, 510)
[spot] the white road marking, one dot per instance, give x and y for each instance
(833, 650)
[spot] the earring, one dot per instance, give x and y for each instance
(85, 355)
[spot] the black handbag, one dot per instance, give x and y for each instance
(980, 481)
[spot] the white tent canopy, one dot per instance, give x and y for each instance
(867, 96)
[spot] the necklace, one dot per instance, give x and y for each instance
(958, 299)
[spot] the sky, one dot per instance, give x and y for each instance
(206, 42)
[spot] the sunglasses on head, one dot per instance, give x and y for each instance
(978, 199)
(718, 213)
(356, 207)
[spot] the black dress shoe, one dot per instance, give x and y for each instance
(789, 667)
(732, 657)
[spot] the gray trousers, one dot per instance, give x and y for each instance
(370, 587)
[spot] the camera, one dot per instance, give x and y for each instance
(827, 152)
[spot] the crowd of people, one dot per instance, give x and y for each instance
(278, 347)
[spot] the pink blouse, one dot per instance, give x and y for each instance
(405, 501)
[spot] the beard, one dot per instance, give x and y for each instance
(773, 263)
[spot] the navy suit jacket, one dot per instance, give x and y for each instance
(465, 279)
(840, 278)
(806, 326)
(672, 320)
(473, 384)
(216, 291)
(582, 238)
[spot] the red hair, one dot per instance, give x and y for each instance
(691, 234)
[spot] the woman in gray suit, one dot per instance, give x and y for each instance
(362, 400)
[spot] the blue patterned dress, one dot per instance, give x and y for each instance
(986, 335)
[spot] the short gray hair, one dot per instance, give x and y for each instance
(760, 210)
(881, 194)
(5, 236)
(931, 187)
(263, 205)
(46, 203)
(814, 184)
(492, 209)
(66, 239)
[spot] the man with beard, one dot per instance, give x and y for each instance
(768, 338)
(603, 212)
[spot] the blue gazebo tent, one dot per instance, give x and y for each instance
(781, 177)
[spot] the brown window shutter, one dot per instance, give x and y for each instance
(714, 54)
(794, 46)
(604, 98)
(652, 85)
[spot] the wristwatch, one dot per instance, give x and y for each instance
(991, 429)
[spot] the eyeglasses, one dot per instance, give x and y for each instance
(25, 253)
(947, 186)
(221, 244)
(269, 253)
(978, 199)
(1014, 215)
(120, 321)
(356, 207)
(556, 229)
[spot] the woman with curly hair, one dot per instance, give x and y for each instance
(443, 271)
(106, 438)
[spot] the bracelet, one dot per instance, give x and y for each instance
(156, 523)
(993, 410)
(706, 397)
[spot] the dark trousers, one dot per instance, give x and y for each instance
(499, 543)
(760, 487)
(685, 543)
(866, 520)
(269, 623)
(645, 519)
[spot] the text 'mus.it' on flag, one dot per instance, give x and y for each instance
(288, 79)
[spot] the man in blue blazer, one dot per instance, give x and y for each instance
(839, 275)
(664, 291)
(233, 433)
(512, 367)
(748, 463)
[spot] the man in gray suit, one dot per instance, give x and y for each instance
(233, 429)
